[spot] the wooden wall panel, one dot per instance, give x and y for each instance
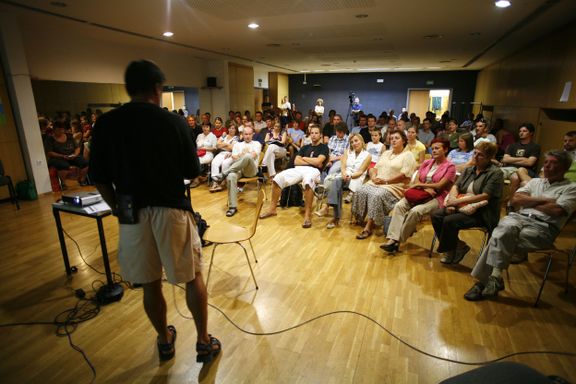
(241, 87)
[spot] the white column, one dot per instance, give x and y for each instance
(22, 99)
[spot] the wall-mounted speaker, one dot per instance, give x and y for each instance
(211, 82)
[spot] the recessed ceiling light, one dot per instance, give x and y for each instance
(253, 25)
(274, 45)
(361, 16)
(475, 34)
(168, 34)
(502, 3)
(58, 4)
(433, 36)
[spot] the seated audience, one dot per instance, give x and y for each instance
(307, 167)
(276, 149)
(427, 193)
(415, 147)
(375, 147)
(218, 128)
(483, 133)
(543, 207)
(206, 145)
(222, 161)
(244, 164)
(330, 127)
(260, 135)
(426, 135)
(62, 152)
(194, 126)
(462, 157)
(570, 147)
(522, 154)
(355, 162)
(337, 146)
(474, 201)
(388, 180)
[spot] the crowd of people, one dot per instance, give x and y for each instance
(393, 171)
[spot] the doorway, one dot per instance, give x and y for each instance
(421, 101)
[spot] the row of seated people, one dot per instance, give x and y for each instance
(543, 204)
(65, 150)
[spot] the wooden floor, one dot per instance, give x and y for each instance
(302, 273)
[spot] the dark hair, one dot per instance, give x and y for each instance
(341, 127)
(218, 119)
(141, 77)
(445, 143)
(468, 139)
(453, 121)
(529, 126)
(402, 135)
(563, 157)
(570, 134)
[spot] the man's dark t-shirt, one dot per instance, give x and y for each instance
(315, 151)
(328, 130)
(146, 152)
(524, 150)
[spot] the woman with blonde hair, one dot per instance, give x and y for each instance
(355, 162)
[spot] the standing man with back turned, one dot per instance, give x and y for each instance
(140, 156)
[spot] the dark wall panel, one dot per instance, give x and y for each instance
(376, 97)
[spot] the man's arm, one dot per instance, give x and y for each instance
(543, 204)
(317, 162)
(519, 161)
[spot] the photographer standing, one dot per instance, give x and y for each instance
(140, 156)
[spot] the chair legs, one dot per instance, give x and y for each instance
(247, 259)
(12, 192)
(570, 261)
(484, 242)
(548, 265)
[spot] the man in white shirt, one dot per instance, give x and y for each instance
(482, 133)
(245, 155)
(259, 124)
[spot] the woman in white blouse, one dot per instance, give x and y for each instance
(355, 162)
(206, 145)
(223, 159)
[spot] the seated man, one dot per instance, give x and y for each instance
(522, 154)
(337, 146)
(308, 164)
(544, 204)
(245, 156)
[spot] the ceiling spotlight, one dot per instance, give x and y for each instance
(168, 34)
(361, 16)
(502, 3)
(253, 26)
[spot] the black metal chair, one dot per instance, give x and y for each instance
(7, 180)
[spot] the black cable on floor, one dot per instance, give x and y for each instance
(407, 344)
(67, 322)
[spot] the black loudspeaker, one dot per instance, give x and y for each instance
(211, 82)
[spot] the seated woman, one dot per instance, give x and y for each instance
(355, 162)
(388, 180)
(206, 145)
(474, 201)
(276, 148)
(414, 146)
(223, 160)
(62, 152)
(219, 128)
(435, 177)
(462, 156)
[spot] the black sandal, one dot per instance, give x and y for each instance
(231, 212)
(207, 352)
(167, 351)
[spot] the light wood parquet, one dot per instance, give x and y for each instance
(302, 273)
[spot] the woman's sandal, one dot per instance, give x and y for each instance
(363, 235)
(168, 350)
(206, 352)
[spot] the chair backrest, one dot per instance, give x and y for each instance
(1, 168)
(259, 204)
